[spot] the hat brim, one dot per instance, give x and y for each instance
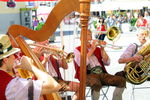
(12, 51)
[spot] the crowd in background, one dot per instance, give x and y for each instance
(134, 19)
(100, 23)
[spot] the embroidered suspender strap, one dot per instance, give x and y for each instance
(136, 49)
(4, 80)
(98, 55)
(30, 90)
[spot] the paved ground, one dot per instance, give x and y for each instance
(70, 42)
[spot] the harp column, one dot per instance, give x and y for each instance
(84, 17)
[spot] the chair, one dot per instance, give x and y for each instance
(144, 85)
(103, 92)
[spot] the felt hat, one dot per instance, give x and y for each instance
(6, 48)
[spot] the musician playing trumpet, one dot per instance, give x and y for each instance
(97, 75)
(130, 55)
(52, 62)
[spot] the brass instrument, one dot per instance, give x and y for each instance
(112, 33)
(58, 53)
(49, 27)
(138, 72)
(63, 8)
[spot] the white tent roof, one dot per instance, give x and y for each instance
(128, 5)
(43, 10)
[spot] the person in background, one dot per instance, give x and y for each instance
(35, 22)
(130, 55)
(111, 21)
(53, 62)
(101, 29)
(132, 23)
(97, 76)
(141, 22)
(16, 88)
(147, 17)
(119, 22)
(76, 25)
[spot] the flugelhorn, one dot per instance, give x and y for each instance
(57, 52)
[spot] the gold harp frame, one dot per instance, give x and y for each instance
(63, 8)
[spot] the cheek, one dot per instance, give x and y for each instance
(12, 59)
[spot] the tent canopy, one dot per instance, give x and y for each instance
(114, 5)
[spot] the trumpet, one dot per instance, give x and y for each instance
(58, 53)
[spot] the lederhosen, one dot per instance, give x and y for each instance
(96, 81)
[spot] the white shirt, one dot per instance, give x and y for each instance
(129, 51)
(50, 69)
(17, 89)
(92, 61)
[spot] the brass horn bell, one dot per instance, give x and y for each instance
(112, 33)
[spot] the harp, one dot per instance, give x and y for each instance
(63, 8)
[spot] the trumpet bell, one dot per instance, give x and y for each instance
(69, 57)
(112, 33)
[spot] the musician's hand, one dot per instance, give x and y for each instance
(94, 44)
(103, 43)
(37, 51)
(138, 58)
(26, 63)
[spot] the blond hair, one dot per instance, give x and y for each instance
(143, 30)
